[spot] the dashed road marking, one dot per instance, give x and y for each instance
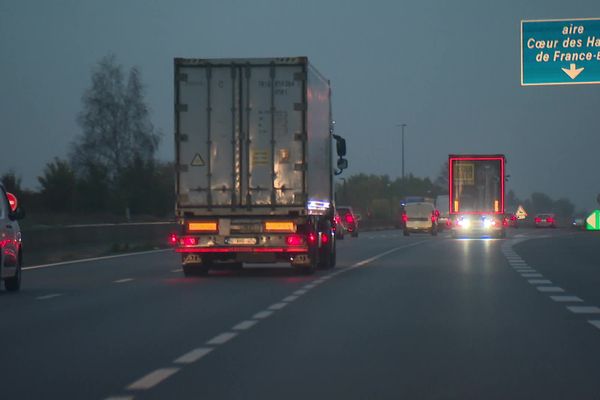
(49, 296)
(193, 356)
(299, 292)
(540, 281)
(290, 299)
(595, 322)
(277, 306)
(152, 379)
(550, 289)
(242, 326)
(119, 398)
(584, 309)
(262, 314)
(531, 275)
(308, 287)
(124, 280)
(566, 299)
(222, 338)
(177, 270)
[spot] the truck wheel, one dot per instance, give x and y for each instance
(14, 284)
(327, 255)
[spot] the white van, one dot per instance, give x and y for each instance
(419, 217)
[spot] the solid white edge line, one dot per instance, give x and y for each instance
(152, 379)
(242, 326)
(193, 356)
(84, 260)
(385, 253)
(595, 322)
(222, 338)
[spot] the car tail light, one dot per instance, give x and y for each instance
(312, 238)
(294, 240)
(433, 218)
(337, 219)
(538, 220)
(324, 238)
(203, 226)
(550, 220)
(173, 239)
(404, 217)
(189, 241)
(280, 226)
(349, 218)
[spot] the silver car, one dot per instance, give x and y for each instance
(10, 241)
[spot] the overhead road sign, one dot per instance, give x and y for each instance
(592, 223)
(560, 51)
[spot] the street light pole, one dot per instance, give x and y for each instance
(402, 126)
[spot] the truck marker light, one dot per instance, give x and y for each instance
(280, 226)
(496, 205)
(456, 205)
(294, 240)
(173, 238)
(205, 226)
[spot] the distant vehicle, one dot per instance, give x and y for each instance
(349, 220)
(442, 205)
(578, 223)
(476, 187)
(511, 220)
(255, 163)
(11, 252)
(420, 217)
(547, 220)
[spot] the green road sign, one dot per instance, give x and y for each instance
(560, 52)
(592, 223)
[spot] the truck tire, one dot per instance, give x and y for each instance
(327, 254)
(14, 284)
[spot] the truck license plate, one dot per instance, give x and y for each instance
(242, 241)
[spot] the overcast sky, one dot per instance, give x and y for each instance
(448, 69)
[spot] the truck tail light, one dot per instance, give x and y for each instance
(324, 238)
(203, 226)
(294, 240)
(189, 241)
(280, 226)
(312, 238)
(404, 217)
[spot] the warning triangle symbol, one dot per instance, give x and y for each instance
(197, 161)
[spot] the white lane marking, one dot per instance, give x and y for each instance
(584, 309)
(222, 338)
(550, 289)
(566, 299)
(84, 260)
(123, 280)
(152, 379)
(290, 299)
(119, 398)
(385, 253)
(595, 322)
(242, 326)
(262, 315)
(532, 275)
(299, 292)
(308, 287)
(177, 270)
(49, 296)
(524, 269)
(277, 306)
(540, 281)
(193, 356)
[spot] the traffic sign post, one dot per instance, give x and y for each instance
(560, 52)
(592, 223)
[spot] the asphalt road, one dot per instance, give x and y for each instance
(416, 317)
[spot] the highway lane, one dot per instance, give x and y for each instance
(430, 318)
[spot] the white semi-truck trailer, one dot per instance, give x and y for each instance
(254, 159)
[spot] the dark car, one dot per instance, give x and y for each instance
(348, 221)
(547, 220)
(10, 245)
